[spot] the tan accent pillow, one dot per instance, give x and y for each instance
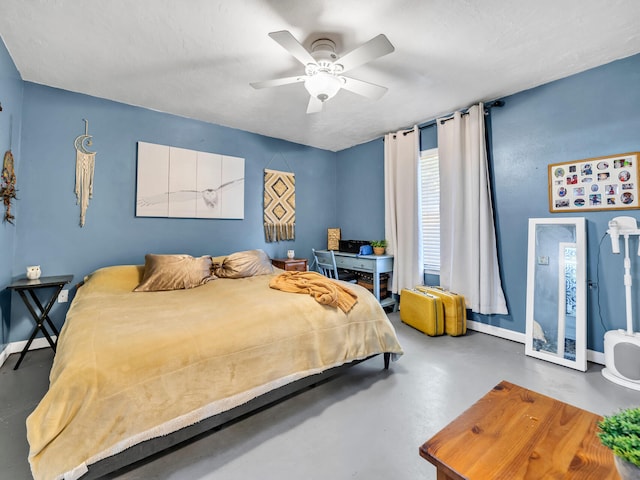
(174, 272)
(244, 264)
(217, 261)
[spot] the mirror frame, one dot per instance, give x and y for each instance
(580, 362)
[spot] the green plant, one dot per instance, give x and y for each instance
(378, 243)
(621, 433)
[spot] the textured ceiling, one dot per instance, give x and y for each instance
(195, 58)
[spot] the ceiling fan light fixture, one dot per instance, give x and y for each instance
(323, 86)
(323, 68)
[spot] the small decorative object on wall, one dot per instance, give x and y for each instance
(179, 183)
(333, 239)
(85, 166)
(602, 183)
(8, 186)
(279, 205)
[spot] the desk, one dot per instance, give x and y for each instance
(514, 433)
(374, 264)
(25, 285)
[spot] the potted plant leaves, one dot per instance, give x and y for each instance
(621, 433)
(378, 246)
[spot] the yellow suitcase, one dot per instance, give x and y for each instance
(455, 310)
(422, 311)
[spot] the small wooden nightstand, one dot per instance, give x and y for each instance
(290, 264)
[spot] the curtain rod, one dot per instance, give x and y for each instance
(432, 123)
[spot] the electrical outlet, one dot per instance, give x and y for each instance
(63, 296)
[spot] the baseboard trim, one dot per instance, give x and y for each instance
(17, 347)
(496, 331)
(592, 355)
(595, 357)
(4, 355)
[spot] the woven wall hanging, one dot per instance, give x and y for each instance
(85, 166)
(279, 205)
(8, 186)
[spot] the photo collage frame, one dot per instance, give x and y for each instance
(602, 183)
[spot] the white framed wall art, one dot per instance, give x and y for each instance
(180, 183)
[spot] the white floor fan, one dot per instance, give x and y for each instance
(622, 347)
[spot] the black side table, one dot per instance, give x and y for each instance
(25, 285)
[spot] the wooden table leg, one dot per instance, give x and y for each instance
(442, 475)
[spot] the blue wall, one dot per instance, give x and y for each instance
(360, 174)
(49, 233)
(10, 121)
(361, 187)
(591, 114)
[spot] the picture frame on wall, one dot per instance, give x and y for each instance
(176, 182)
(593, 184)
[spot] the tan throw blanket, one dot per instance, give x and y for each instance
(324, 290)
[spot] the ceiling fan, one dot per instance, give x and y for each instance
(323, 68)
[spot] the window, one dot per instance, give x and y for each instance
(430, 210)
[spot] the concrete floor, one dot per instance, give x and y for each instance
(365, 424)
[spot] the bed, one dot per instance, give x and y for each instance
(138, 371)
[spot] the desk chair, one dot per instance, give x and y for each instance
(326, 264)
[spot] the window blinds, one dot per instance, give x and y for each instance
(430, 209)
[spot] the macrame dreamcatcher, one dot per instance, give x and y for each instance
(85, 164)
(8, 186)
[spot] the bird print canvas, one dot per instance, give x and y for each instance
(179, 183)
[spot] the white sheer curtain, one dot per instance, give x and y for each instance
(401, 212)
(469, 260)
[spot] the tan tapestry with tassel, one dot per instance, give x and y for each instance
(279, 205)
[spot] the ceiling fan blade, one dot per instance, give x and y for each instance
(315, 105)
(276, 82)
(366, 89)
(374, 48)
(290, 44)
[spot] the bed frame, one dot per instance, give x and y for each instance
(155, 445)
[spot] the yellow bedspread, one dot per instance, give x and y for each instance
(136, 365)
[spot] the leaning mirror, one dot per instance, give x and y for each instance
(556, 291)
